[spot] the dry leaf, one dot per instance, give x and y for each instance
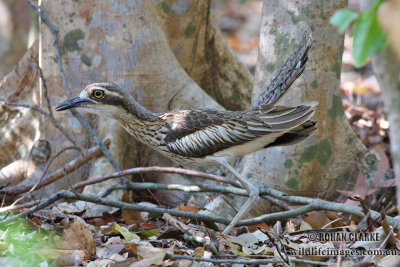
(131, 248)
(388, 261)
(383, 166)
(150, 255)
(192, 209)
(78, 236)
(254, 228)
(106, 262)
(96, 222)
(67, 207)
(130, 216)
(49, 254)
(360, 189)
(290, 227)
(317, 219)
(125, 263)
(305, 226)
(198, 252)
(108, 251)
(147, 226)
(251, 244)
(69, 259)
(226, 246)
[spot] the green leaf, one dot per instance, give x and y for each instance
(374, 7)
(148, 233)
(368, 36)
(343, 18)
(239, 253)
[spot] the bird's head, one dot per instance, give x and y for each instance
(105, 99)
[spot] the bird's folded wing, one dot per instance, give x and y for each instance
(199, 133)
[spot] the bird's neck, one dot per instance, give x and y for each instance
(138, 111)
(137, 121)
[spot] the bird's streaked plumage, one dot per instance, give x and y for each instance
(196, 137)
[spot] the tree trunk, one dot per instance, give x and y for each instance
(14, 27)
(319, 164)
(323, 162)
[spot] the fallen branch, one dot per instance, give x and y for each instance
(162, 170)
(57, 174)
(130, 185)
(232, 261)
(35, 108)
(38, 70)
(194, 173)
(313, 205)
(44, 172)
(204, 188)
(152, 186)
(249, 262)
(48, 115)
(156, 186)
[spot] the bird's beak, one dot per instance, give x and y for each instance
(73, 103)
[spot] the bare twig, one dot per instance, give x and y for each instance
(276, 202)
(311, 204)
(315, 204)
(35, 108)
(231, 261)
(184, 188)
(54, 32)
(154, 186)
(174, 170)
(44, 173)
(48, 115)
(161, 170)
(202, 240)
(57, 174)
(242, 261)
(38, 70)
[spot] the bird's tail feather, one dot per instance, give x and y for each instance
(292, 68)
(296, 135)
(290, 120)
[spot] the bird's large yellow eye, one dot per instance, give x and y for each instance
(98, 94)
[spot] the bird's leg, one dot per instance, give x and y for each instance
(253, 196)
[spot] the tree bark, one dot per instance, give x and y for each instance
(14, 27)
(19, 126)
(323, 162)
